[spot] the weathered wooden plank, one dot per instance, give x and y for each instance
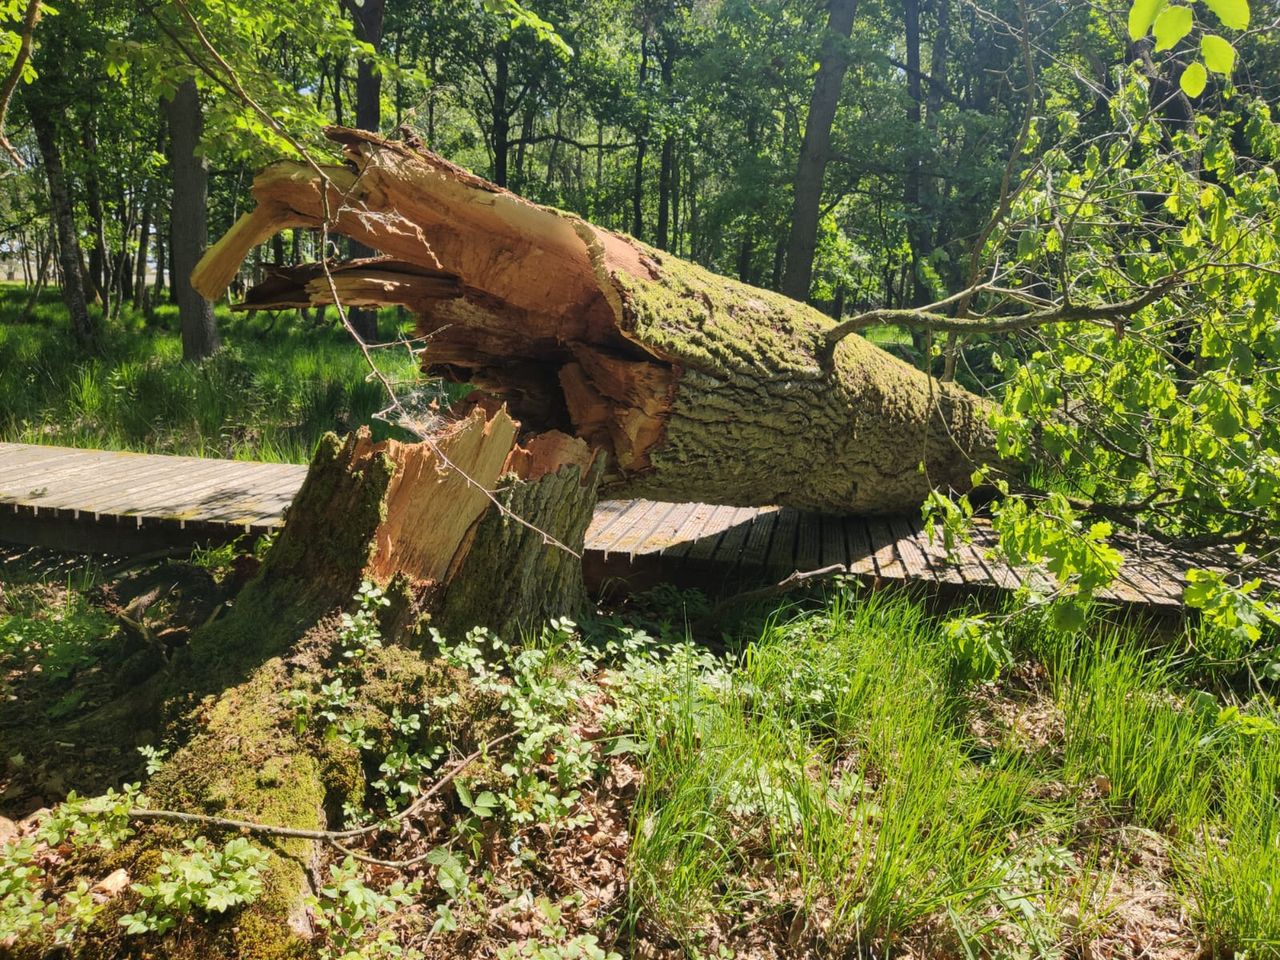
(884, 552)
(809, 542)
(782, 548)
(908, 550)
(665, 531)
(972, 569)
(19, 459)
(756, 551)
(997, 571)
(264, 501)
(730, 549)
(195, 499)
(39, 482)
(600, 533)
(707, 543)
(834, 548)
(944, 568)
(131, 487)
(858, 540)
(1144, 576)
(639, 526)
(696, 516)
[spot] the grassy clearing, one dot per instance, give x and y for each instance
(277, 385)
(837, 787)
(835, 784)
(850, 778)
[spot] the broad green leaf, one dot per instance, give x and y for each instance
(1068, 616)
(1232, 13)
(1141, 15)
(1219, 55)
(1193, 80)
(1172, 25)
(450, 873)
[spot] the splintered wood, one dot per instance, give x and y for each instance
(437, 494)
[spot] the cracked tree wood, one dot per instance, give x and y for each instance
(423, 521)
(694, 386)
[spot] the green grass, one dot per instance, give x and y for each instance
(276, 386)
(828, 783)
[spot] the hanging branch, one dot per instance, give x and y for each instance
(26, 34)
(928, 317)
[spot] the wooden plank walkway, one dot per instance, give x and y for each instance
(129, 502)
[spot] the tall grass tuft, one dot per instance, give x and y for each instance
(825, 784)
(1230, 870)
(1130, 733)
(827, 760)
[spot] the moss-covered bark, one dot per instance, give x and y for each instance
(692, 385)
(511, 581)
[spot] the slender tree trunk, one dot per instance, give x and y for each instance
(189, 227)
(162, 249)
(85, 328)
(747, 246)
(339, 68)
(38, 289)
(666, 169)
(642, 145)
(99, 272)
(522, 146)
(916, 226)
(369, 17)
(501, 112)
(933, 108)
(815, 149)
(142, 295)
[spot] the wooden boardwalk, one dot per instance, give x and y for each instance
(129, 502)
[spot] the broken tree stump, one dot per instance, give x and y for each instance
(466, 528)
(693, 386)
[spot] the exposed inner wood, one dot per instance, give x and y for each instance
(370, 281)
(431, 507)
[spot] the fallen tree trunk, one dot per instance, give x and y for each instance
(694, 386)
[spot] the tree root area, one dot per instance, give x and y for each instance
(81, 644)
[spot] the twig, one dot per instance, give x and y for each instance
(332, 837)
(782, 586)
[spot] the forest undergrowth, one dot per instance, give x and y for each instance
(843, 776)
(276, 386)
